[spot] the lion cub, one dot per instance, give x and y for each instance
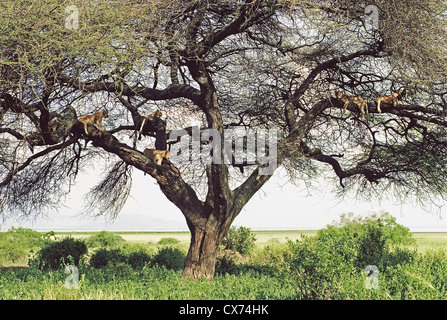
(94, 118)
(357, 100)
(157, 156)
(155, 114)
(140, 121)
(392, 98)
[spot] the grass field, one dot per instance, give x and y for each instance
(430, 241)
(425, 240)
(262, 237)
(260, 275)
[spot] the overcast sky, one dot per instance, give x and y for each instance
(279, 205)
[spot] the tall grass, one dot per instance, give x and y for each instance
(156, 283)
(273, 270)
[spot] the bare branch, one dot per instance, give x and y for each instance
(110, 195)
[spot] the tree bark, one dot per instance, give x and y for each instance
(201, 258)
(206, 236)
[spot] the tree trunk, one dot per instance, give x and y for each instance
(205, 240)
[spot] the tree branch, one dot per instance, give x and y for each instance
(120, 88)
(329, 64)
(167, 175)
(249, 14)
(12, 132)
(40, 154)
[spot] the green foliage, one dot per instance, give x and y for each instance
(424, 278)
(56, 254)
(168, 241)
(17, 243)
(149, 283)
(103, 257)
(241, 240)
(104, 239)
(395, 233)
(171, 258)
(331, 265)
(372, 245)
(113, 257)
(227, 262)
(138, 259)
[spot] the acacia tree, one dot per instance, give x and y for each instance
(255, 64)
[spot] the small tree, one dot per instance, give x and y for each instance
(322, 264)
(240, 240)
(104, 239)
(59, 253)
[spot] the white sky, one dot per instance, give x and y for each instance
(279, 205)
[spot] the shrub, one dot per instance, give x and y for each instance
(113, 257)
(138, 259)
(59, 253)
(241, 240)
(373, 246)
(168, 241)
(316, 267)
(227, 261)
(103, 257)
(171, 258)
(104, 239)
(395, 233)
(331, 264)
(17, 243)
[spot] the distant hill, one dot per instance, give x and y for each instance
(124, 222)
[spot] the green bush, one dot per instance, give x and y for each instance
(241, 240)
(17, 243)
(103, 257)
(104, 239)
(112, 257)
(171, 258)
(373, 245)
(331, 264)
(168, 241)
(424, 278)
(56, 254)
(395, 233)
(226, 262)
(138, 259)
(316, 268)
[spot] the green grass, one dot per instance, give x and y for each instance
(121, 281)
(426, 241)
(263, 238)
(269, 237)
(155, 283)
(257, 278)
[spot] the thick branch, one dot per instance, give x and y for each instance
(16, 105)
(171, 92)
(167, 175)
(12, 132)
